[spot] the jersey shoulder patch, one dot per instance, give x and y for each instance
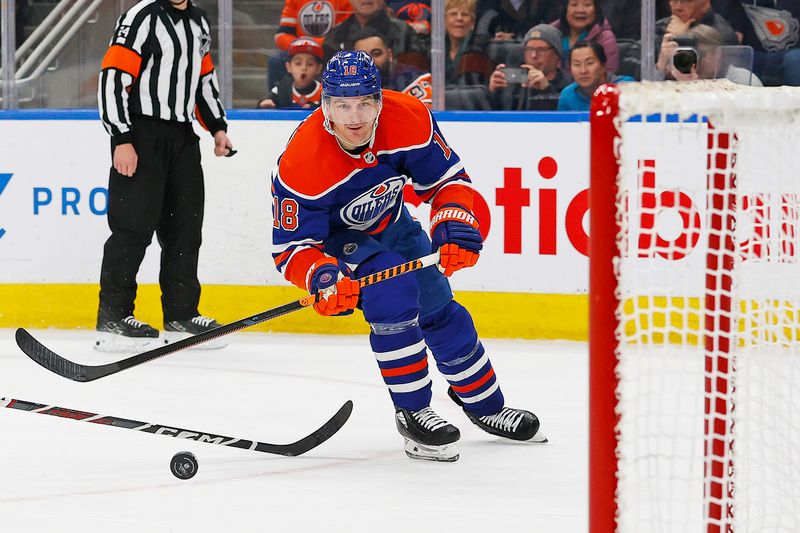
(313, 163)
(404, 123)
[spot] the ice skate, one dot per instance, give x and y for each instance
(126, 335)
(181, 329)
(515, 424)
(427, 436)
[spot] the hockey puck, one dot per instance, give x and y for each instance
(183, 465)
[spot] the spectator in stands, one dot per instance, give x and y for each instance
(409, 47)
(583, 20)
(301, 89)
(309, 18)
(686, 14)
(465, 60)
(711, 60)
(507, 20)
(399, 78)
(772, 28)
(545, 77)
(587, 64)
(415, 14)
(303, 18)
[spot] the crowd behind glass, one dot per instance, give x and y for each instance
(536, 54)
(529, 54)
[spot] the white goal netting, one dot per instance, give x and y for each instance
(708, 281)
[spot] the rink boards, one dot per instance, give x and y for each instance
(530, 171)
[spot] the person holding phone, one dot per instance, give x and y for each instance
(537, 82)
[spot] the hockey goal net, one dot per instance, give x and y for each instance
(695, 309)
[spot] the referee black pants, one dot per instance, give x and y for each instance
(165, 196)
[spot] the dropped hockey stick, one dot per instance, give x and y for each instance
(300, 447)
(79, 372)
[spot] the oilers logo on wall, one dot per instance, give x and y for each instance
(316, 19)
(368, 208)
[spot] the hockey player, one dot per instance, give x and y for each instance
(339, 214)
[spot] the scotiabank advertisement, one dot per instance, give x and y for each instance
(531, 176)
(672, 200)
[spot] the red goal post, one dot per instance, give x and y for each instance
(694, 308)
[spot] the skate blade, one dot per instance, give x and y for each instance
(114, 343)
(446, 453)
(175, 336)
(539, 438)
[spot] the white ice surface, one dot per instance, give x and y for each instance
(63, 476)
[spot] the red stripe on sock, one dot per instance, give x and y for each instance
(403, 370)
(472, 386)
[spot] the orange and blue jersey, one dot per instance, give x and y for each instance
(319, 188)
(309, 18)
(414, 82)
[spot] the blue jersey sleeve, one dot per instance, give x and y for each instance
(435, 166)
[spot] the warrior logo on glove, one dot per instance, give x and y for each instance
(455, 233)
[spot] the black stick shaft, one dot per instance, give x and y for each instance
(297, 448)
(79, 372)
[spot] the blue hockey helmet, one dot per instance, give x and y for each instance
(350, 73)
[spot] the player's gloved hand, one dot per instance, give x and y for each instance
(454, 232)
(339, 290)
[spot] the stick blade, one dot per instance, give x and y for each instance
(310, 442)
(47, 358)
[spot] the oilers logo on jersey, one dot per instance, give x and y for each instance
(368, 208)
(316, 19)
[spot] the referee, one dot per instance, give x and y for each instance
(156, 77)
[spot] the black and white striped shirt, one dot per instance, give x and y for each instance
(158, 64)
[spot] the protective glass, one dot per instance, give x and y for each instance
(352, 110)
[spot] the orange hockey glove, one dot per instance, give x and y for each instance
(454, 232)
(339, 291)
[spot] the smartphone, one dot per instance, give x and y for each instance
(515, 75)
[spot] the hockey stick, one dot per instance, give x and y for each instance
(300, 447)
(79, 372)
